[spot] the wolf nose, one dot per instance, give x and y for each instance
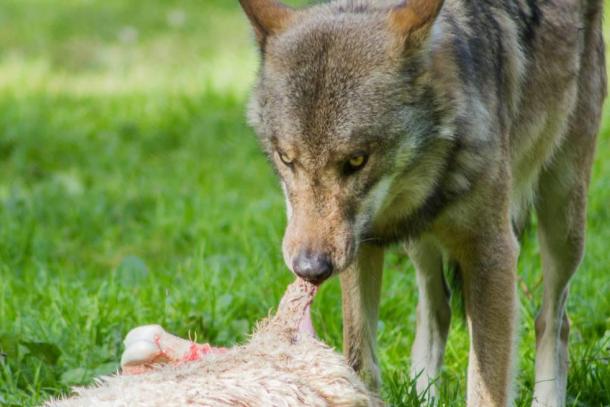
(313, 267)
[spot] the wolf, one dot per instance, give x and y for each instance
(439, 125)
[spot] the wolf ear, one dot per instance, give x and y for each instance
(268, 17)
(414, 18)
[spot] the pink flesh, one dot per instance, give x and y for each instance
(306, 326)
(174, 354)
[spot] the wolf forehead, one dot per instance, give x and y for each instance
(333, 73)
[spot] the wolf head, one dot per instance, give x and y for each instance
(344, 109)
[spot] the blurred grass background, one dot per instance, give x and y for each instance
(132, 192)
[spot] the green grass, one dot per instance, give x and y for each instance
(132, 192)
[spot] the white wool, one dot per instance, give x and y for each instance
(280, 366)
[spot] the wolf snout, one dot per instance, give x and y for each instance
(312, 266)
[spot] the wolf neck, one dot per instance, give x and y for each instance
(445, 167)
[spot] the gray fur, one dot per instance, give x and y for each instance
(464, 116)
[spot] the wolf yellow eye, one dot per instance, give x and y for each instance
(285, 159)
(356, 163)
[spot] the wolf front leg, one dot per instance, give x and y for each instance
(491, 308)
(361, 286)
(433, 315)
